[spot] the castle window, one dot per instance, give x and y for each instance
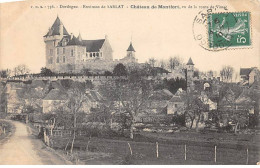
(50, 60)
(54, 43)
(63, 50)
(71, 53)
(51, 51)
(97, 54)
(90, 54)
(94, 54)
(87, 55)
(57, 60)
(100, 54)
(58, 50)
(175, 105)
(64, 59)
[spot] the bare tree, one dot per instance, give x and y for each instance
(174, 62)
(226, 73)
(194, 109)
(130, 96)
(152, 62)
(162, 64)
(76, 98)
(21, 70)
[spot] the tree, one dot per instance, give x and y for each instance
(46, 72)
(152, 62)
(226, 73)
(21, 70)
(74, 105)
(129, 96)
(194, 109)
(174, 62)
(120, 70)
(162, 64)
(108, 73)
(5, 73)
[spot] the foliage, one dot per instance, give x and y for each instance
(128, 96)
(194, 108)
(5, 73)
(108, 73)
(86, 71)
(120, 70)
(172, 84)
(179, 120)
(46, 72)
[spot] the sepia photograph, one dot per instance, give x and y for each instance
(130, 82)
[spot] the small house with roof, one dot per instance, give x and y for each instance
(175, 105)
(249, 76)
(53, 100)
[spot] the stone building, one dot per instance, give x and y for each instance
(190, 74)
(249, 76)
(67, 53)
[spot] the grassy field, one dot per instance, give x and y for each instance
(171, 149)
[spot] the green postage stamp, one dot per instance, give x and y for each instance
(229, 29)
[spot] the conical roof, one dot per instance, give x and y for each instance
(190, 62)
(55, 28)
(79, 37)
(130, 48)
(74, 41)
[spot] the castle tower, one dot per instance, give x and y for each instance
(51, 39)
(130, 51)
(79, 37)
(190, 74)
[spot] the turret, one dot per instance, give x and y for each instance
(61, 29)
(190, 74)
(130, 51)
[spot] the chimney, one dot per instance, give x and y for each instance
(61, 29)
(71, 36)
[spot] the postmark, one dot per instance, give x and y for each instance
(217, 29)
(230, 29)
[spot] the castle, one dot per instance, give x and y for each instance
(67, 53)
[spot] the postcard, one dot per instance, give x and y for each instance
(130, 82)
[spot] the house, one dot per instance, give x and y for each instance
(249, 76)
(175, 105)
(155, 109)
(94, 100)
(244, 102)
(53, 100)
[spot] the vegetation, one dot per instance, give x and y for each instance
(120, 70)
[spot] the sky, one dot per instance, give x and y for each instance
(154, 33)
